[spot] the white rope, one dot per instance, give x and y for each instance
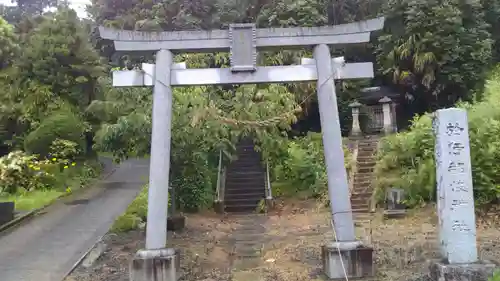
(338, 250)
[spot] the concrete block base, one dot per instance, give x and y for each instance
(481, 271)
(394, 214)
(219, 207)
(176, 223)
(354, 260)
(155, 265)
(6, 212)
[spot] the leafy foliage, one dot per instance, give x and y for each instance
(60, 125)
(135, 214)
(58, 54)
(303, 167)
(65, 149)
(406, 160)
(205, 120)
(21, 171)
(8, 42)
(439, 50)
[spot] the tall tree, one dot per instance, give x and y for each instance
(9, 46)
(437, 51)
(58, 54)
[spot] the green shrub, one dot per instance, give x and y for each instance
(64, 149)
(139, 207)
(191, 175)
(8, 43)
(62, 125)
(126, 222)
(19, 171)
(135, 214)
(303, 169)
(406, 160)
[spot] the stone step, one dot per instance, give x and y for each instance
(371, 145)
(246, 149)
(366, 157)
(245, 166)
(242, 178)
(236, 173)
(238, 202)
(361, 195)
(359, 200)
(360, 204)
(361, 210)
(363, 178)
(245, 161)
(246, 154)
(253, 193)
(369, 139)
(359, 174)
(362, 189)
(366, 163)
(365, 152)
(245, 183)
(367, 149)
(361, 182)
(365, 169)
(239, 192)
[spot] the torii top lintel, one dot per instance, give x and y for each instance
(262, 38)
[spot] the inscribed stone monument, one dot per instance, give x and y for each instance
(457, 223)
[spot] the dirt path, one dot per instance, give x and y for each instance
(285, 247)
(46, 247)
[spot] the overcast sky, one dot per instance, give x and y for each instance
(77, 5)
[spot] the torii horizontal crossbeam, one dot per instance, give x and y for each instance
(220, 76)
(219, 40)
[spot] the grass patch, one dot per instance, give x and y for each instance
(32, 200)
(135, 214)
(67, 181)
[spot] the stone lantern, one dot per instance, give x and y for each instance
(386, 109)
(356, 128)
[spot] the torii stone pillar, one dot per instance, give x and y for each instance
(156, 263)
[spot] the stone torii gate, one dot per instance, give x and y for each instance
(243, 41)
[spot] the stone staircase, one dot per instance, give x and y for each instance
(245, 180)
(363, 176)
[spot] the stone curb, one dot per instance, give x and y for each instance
(25, 217)
(98, 248)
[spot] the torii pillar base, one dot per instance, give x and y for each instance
(155, 265)
(347, 259)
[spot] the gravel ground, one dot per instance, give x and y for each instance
(289, 246)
